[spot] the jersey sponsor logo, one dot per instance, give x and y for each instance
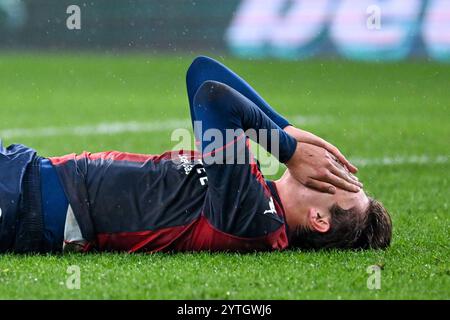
(272, 209)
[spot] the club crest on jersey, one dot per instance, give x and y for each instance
(187, 164)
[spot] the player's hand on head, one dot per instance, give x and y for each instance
(317, 168)
(308, 137)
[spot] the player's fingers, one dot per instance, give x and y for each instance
(346, 163)
(342, 172)
(335, 151)
(342, 179)
(319, 142)
(342, 167)
(320, 186)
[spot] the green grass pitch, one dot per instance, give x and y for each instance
(396, 112)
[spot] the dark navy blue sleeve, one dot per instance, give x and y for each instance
(205, 68)
(220, 108)
(238, 201)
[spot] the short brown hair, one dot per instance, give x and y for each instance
(350, 230)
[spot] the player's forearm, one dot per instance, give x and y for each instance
(205, 68)
(219, 107)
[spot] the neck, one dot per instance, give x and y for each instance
(293, 201)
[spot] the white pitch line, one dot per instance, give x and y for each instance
(113, 128)
(96, 129)
(400, 160)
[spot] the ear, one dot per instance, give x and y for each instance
(318, 222)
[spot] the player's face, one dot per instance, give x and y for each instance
(310, 208)
(318, 213)
(348, 200)
(324, 201)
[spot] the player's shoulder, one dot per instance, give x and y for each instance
(15, 149)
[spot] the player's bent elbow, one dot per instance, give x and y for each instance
(197, 67)
(199, 62)
(210, 92)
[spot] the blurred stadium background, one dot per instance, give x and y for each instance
(371, 76)
(362, 29)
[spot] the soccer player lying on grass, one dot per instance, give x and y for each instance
(215, 199)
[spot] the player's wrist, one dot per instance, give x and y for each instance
(295, 157)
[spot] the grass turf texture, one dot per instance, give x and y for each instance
(368, 110)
